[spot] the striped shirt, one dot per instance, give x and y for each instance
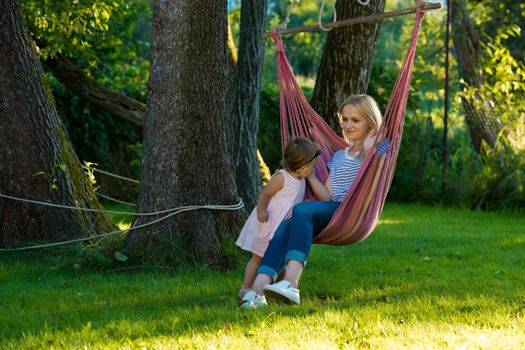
(343, 170)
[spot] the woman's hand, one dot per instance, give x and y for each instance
(312, 176)
(320, 190)
(370, 140)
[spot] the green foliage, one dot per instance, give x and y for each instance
(89, 171)
(504, 83)
(494, 17)
(304, 50)
(269, 135)
(81, 29)
(418, 167)
(443, 277)
(71, 26)
(500, 181)
(110, 40)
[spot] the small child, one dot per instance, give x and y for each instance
(285, 189)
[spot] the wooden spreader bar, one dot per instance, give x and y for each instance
(428, 6)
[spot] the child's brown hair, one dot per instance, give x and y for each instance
(299, 152)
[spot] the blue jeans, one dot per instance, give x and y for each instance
(293, 238)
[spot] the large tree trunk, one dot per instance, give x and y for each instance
(185, 158)
(32, 142)
(245, 111)
(483, 125)
(347, 59)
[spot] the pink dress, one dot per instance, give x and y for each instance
(255, 235)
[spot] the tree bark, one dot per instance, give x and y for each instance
(185, 158)
(36, 157)
(245, 112)
(114, 102)
(346, 64)
(483, 125)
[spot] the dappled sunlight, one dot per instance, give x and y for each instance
(391, 222)
(272, 329)
(512, 242)
(122, 225)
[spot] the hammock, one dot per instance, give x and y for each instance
(358, 214)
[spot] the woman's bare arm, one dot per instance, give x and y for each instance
(323, 192)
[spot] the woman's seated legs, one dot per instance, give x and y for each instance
(273, 259)
(308, 220)
(293, 240)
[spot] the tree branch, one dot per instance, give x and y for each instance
(112, 101)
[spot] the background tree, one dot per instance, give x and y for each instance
(346, 65)
(482, 123)
(36, 156)
(185, 156)
(245, 108)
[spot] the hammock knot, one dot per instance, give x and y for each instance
(278, 40)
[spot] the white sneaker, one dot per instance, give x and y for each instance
(251, 300)
(282, 291)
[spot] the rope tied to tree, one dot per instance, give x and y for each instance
(31, 201)
(239, 205)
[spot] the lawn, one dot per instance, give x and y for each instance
(427, 278)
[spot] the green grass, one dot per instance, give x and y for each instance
(428, 278)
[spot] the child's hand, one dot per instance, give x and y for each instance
(262, 215)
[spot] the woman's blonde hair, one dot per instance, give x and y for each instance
(368, 108)
(299, 152)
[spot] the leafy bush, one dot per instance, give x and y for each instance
(501, 181)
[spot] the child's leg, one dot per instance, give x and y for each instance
(249, 274)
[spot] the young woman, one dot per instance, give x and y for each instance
(360, 120)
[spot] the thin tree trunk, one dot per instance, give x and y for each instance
(444, 172)
(36, 157)
(185, 158)
(346, 64)
(245, 111)
(482, 123)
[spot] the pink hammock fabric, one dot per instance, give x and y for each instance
(359, 213)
